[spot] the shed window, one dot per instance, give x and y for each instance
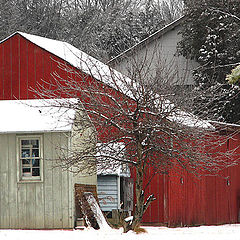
(30, 158)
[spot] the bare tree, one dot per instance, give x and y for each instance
(136, 122)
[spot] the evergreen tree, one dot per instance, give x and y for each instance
(211, 36)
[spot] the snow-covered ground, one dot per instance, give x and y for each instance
(225, 232)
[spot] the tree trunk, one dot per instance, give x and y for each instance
(139, 208)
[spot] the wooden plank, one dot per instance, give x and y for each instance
(31, 70)
(65, 190)
(39, 206)
(48, 181)
(71, 200)
(22, 207)
(7, 70)
(147, 216)
(1, 72)
(57, 185)
(4, 178)
(23, 68)
(30, 205)
(47, 70)
(79, 190)
(12, 173)
(39, 67)
(15, 67)
(166, 199)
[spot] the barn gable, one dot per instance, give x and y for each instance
(29, 60)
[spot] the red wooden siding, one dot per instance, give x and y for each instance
(181, 199)
(23, 66)
(191, 201)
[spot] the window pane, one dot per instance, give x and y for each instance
(35, 153)
(30, 158)
(25, 161)
(35, 162)
(36, 172)
(25, 153)
(27, 172)
(25, 142)
(35, 143)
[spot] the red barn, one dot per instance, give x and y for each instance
(28, 60)
(184, 200)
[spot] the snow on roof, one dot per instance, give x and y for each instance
(110, 158)
(81, 61)
(190, 120)
(34, 116)
(175, 114)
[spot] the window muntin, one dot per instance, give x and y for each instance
(30, 158)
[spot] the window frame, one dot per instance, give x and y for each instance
(20, 177)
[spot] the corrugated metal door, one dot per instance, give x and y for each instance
(108, 192)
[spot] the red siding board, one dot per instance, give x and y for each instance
(47, 65)
(31, 70)
(23, 68)
(39, 69)
(15, 67)
(7, 79)
(1, 71)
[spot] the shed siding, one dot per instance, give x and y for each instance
(108, 192)
(46, 204)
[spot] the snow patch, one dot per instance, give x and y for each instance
(35, 116)
(224, 232)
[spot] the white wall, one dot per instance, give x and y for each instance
(162, 50)
(46, 204)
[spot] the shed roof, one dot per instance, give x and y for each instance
(31, 116)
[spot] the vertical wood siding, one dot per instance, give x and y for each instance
(46, 204)
(23, 66)
(181, 200)
(184, 200)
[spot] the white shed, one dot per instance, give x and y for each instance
(34, 192)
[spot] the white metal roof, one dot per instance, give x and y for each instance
(26, 116)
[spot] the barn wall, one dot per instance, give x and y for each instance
(184, 200)
(23, 66)
(155, 212)
(47, 204)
